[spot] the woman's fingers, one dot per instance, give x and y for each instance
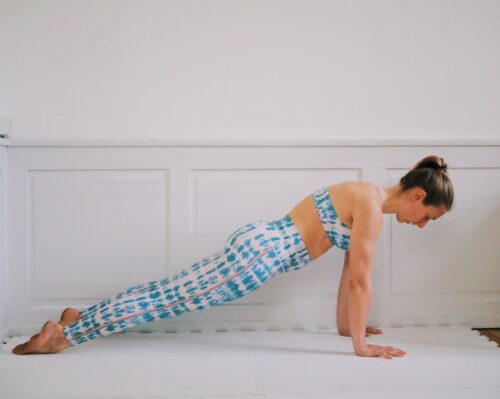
(397, 352)
(373, 330)
(389, 352)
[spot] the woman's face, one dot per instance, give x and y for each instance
(413, 211)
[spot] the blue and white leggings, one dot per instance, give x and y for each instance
(252, 255)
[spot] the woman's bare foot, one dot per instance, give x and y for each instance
(50, 340)
(68, 316)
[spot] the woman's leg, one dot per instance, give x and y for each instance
(142, 288)
(249, 259)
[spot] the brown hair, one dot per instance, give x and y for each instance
(431, 175)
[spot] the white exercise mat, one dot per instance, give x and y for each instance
(442, 362)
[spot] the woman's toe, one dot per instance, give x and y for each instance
(19, 349)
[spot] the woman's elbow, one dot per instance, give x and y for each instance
(360, 283)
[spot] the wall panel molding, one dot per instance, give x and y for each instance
(88, 219)
(388, 142)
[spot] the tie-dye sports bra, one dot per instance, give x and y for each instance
(338, 233)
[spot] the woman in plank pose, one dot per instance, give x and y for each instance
(347, 215)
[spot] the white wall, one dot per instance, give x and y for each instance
(210, 70)
(3, 243)
(239, 69)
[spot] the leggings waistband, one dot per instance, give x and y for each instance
(296, 255)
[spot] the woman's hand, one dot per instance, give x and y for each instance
(377, 350)
(373, 330)
(369, 330)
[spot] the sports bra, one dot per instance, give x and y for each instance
(338, 233)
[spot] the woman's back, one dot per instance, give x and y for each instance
(343, 196)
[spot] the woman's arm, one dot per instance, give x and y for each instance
(367, 223)
(342, 308)
(342, 298)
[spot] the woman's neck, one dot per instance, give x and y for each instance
(391, 198)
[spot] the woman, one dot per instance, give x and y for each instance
(348, 216)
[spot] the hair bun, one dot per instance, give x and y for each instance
(432, 162)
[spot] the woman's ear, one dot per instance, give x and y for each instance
(417, 194)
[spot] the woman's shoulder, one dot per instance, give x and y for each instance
(365, 192)
(358, 194)
(354, 198)
(364, 208)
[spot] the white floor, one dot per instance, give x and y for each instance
(442, 362)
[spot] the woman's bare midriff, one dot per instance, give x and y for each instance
(308, 222)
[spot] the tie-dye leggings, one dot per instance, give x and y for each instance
(252, 255)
